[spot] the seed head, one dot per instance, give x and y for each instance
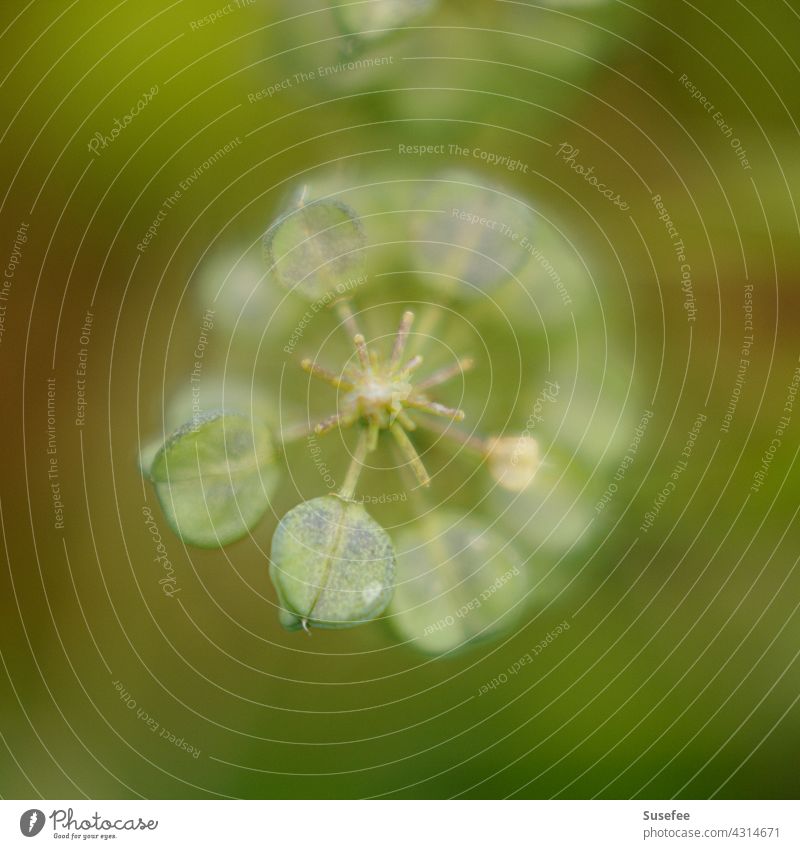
(381, 393)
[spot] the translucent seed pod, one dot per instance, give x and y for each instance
(332, 565)
(460, 582)
(513, 461)
(473, 235)
(368, 23)
(214, 478)
(317, 251)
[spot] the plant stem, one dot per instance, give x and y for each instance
(429, 319)
(348, 488)
(401, 339)
(348, 319)
(435, 409)
(466, 440)
(334, 380)
(291, 433)
(363, 352)
(410, 453)
(444, 374)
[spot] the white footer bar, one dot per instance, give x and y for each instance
(402, 824)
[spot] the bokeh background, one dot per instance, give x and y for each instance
(678, 675)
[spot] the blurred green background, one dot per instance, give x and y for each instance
(678, 675)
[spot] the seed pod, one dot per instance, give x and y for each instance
(332, 564)
(214, 477)
(477, 237)
(367, 23)
(317, 250)
(556, 516)
(462, 582)
(513, 461)
(244, 300)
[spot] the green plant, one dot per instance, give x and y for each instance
(364, 24)
(460, 577)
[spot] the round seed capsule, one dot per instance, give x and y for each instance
(214, 478)
(478, 245)
(462, 582)
(317, 250)
(373, 21)
(332, 565)
(513, 461)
